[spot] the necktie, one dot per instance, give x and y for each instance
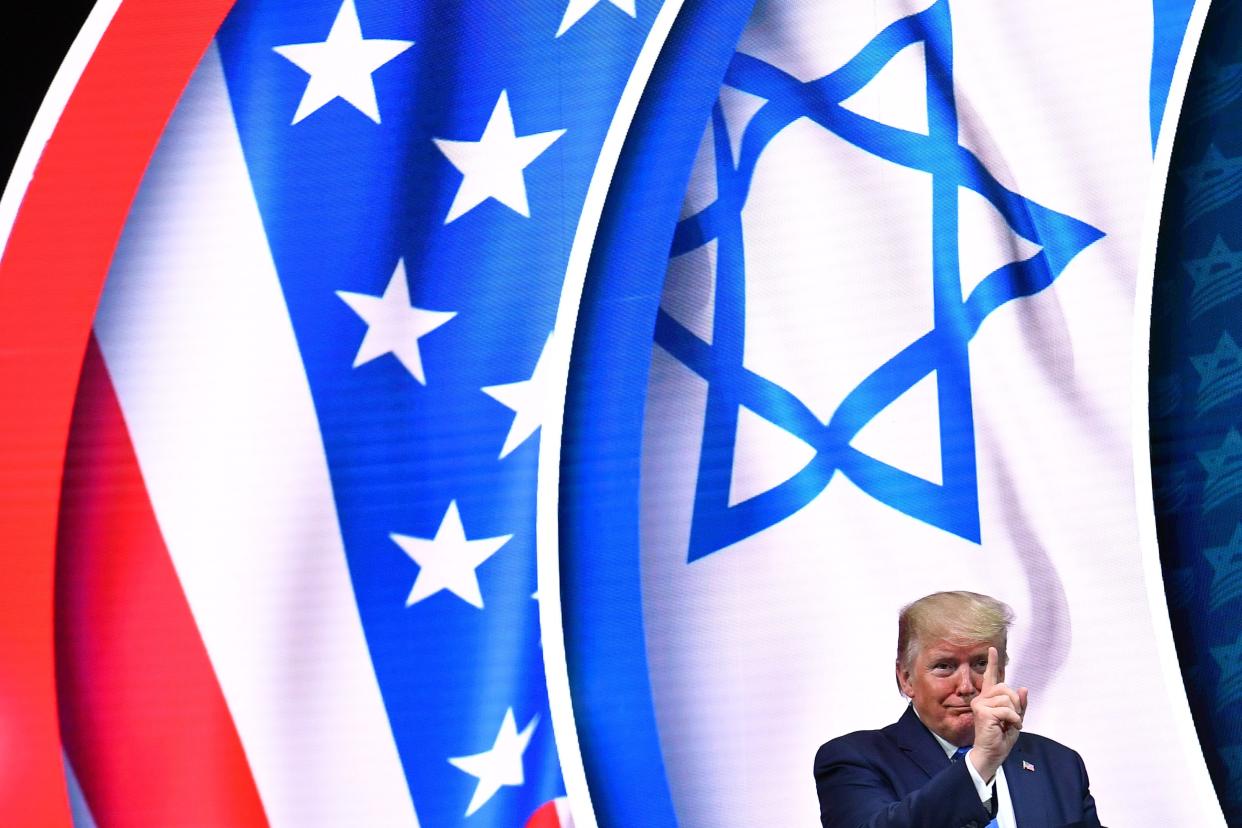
(958, 754)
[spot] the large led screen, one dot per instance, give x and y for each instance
(455, 412)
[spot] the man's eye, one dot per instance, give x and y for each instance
(941, 667)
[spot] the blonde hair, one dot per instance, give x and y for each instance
(957, 617)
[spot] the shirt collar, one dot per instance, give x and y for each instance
(948, 747)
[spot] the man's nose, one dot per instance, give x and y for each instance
(965, 681)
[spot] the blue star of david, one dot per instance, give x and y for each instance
(953, 505)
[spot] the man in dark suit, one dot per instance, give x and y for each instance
(957, 757)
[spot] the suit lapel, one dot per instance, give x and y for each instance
(1027, 787)
(919, 744)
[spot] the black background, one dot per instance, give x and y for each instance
(30, 53)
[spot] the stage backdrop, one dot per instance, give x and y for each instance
(537, 414)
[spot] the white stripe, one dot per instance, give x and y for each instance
(200, 346)
(563, 815)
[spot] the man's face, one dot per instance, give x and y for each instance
(941, 683)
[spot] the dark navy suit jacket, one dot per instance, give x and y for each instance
(899, 777)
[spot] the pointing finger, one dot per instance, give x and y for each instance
(989, 673)
(1022, 700)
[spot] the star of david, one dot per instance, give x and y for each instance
(952, 505)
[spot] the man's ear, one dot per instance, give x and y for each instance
(903, 680)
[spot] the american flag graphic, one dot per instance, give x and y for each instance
(295, 569)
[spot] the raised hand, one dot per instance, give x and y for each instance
(997, 712)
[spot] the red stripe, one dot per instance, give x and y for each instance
(545, 817)
(142, 716)
(50, 278)
(548, 815)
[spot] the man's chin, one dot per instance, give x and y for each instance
(963, 730)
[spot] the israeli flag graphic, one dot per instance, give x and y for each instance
(894, 353)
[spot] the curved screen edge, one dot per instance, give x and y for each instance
(547, 506)
(1158, 609)
(601, 598)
